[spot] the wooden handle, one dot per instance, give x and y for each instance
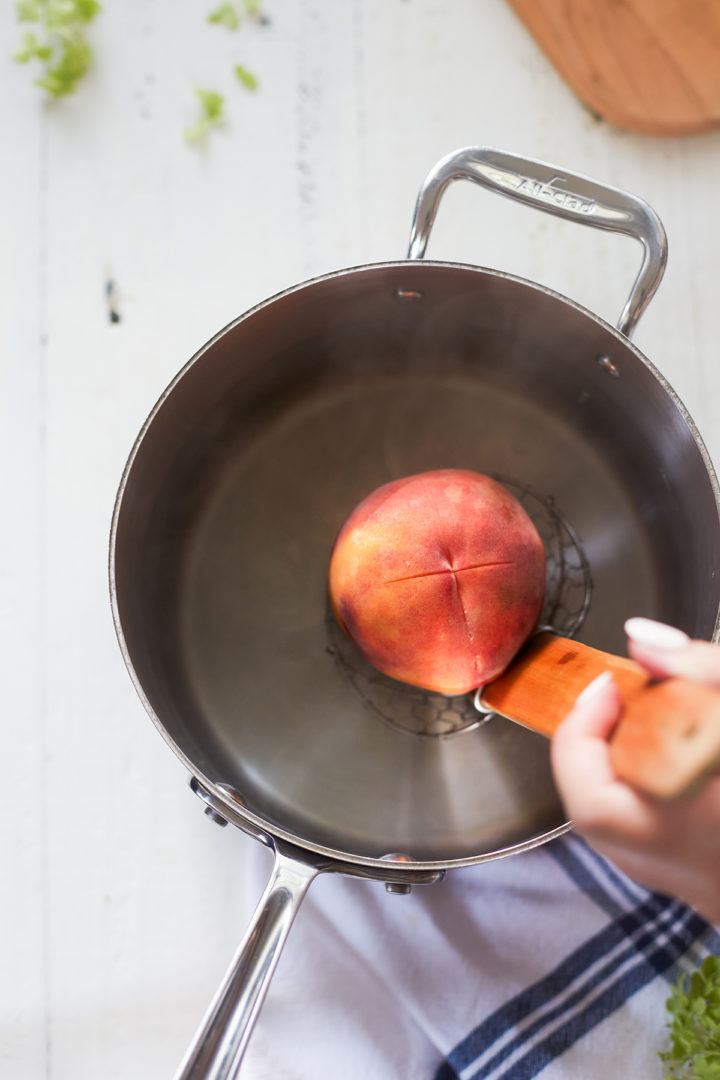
(668, 737)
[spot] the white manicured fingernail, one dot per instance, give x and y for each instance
(594, 688)
(656, 635)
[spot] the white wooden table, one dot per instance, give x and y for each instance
(120, 903)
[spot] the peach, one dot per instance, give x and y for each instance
(439, 578)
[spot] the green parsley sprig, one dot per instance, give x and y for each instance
(225, 15)
(212, 105)
(694, 1027)
(58, 41)
(228, 14)
(246, 77)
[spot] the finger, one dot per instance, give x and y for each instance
(655, 645)
(699, 662)
(580, 750)
(665, 650)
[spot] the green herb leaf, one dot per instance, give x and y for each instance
(694, 1027)
(31, 49)
(246, 77)
(225, 15)
(29, 10)
(60, 43)
(253, 7)
(75, 59)
(212, 105)
(68, 14)
(87, 9)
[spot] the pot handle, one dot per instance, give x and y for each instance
(218, 1047)
(556, 191)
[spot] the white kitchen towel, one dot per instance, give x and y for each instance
(551, 963)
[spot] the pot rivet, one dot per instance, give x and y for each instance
(607, 365)
(204, 794)
(233, 793)
(400, 888)
(408, 294)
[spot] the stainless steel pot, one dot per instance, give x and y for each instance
(254, 456)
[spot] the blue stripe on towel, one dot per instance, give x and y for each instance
(597, 878)
(520, 1061)
(647, 935)
(575, 967)
(593, 873)
(446, 1072)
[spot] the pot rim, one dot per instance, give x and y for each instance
(212, 791)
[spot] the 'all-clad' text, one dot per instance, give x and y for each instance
(554, 195)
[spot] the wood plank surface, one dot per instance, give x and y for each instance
(122, 903)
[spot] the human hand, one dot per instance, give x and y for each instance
(671, 846)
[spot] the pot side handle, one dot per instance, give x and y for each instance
(218, 1047)
(556, 191)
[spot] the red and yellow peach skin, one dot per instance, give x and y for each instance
(439, 578)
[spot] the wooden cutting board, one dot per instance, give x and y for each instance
(650, 66)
